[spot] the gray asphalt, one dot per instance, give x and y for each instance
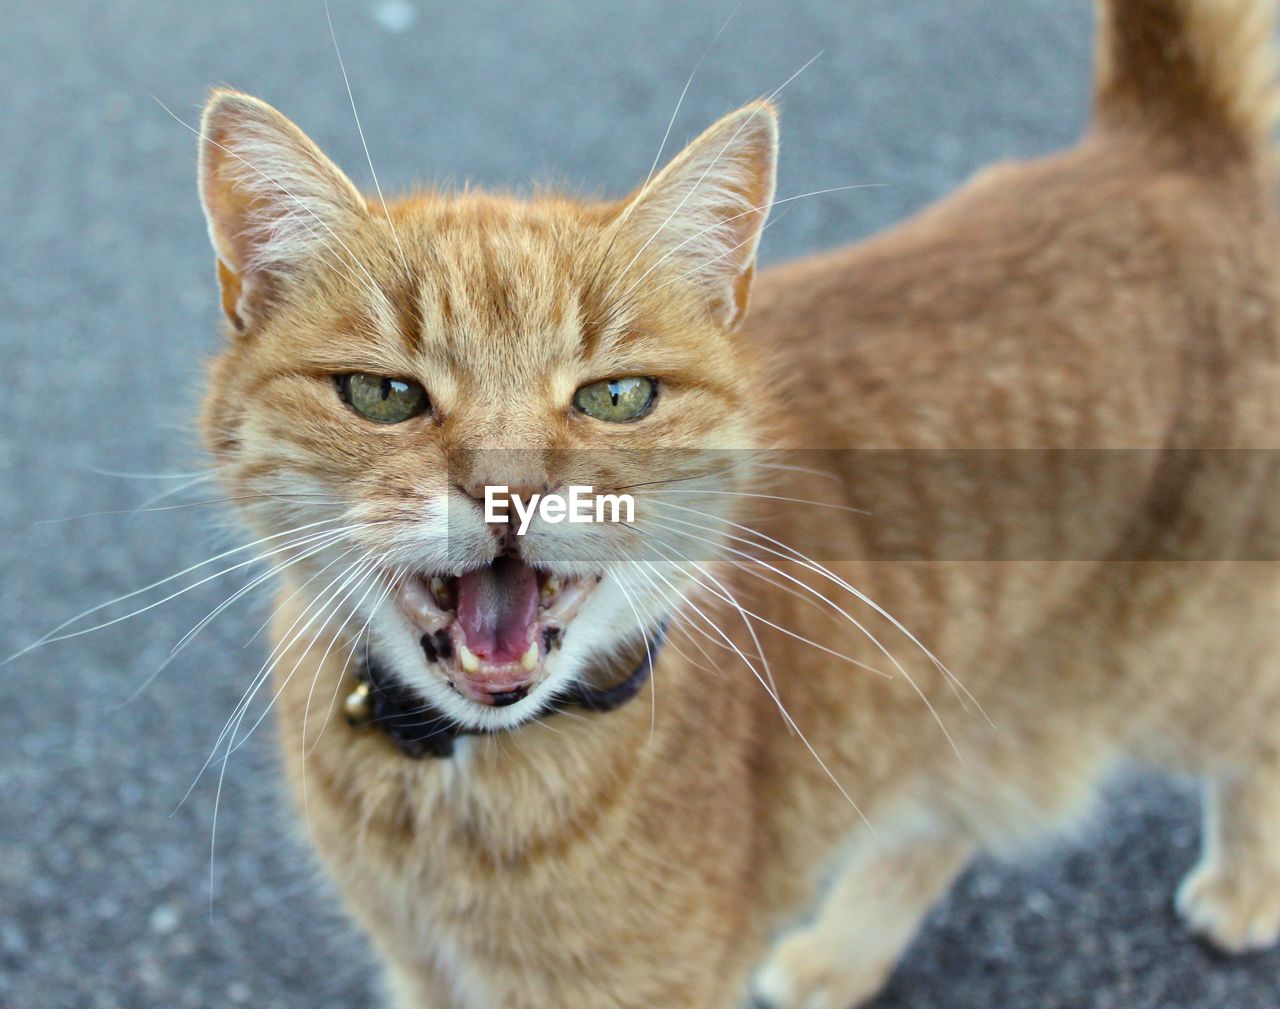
(107, 314)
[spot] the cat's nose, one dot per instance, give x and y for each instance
(482, 492)
(500, 495)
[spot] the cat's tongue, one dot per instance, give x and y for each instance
(497, 609)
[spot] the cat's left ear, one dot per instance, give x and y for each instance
(273, 201)
(704, 212)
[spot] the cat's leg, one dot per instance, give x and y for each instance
(867, 920)
(413, 986)
(1232, 897)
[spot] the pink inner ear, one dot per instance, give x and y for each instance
(231, 286)
(742, 294)
(704, 212)
(257, 221)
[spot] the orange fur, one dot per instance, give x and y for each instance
(1120, 295)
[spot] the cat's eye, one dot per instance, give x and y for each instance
(616, 399)
(385, 400)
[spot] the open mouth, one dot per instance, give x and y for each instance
(493, 629)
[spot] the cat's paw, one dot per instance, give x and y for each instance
(803, 972)
(1235, 916)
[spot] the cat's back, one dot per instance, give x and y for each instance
(1074, 317)
(1108, 296)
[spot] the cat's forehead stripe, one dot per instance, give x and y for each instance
(499, 283)
(408, 308)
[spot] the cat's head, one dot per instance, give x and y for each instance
(386, 362)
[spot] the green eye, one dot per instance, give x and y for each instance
(386, 400)
(617, 399)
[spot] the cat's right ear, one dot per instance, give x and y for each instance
(273, 201)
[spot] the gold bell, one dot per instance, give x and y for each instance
(358, 706)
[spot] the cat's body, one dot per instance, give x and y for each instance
(1120, 296)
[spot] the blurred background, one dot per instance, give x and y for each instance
(107, 292)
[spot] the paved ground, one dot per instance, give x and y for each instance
(108, 311)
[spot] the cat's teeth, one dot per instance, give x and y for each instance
(440, 589)
(529, 660)
(469, 662)
(551, 587)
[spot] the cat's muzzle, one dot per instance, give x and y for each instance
(490, 630)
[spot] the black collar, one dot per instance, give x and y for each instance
(420, 730)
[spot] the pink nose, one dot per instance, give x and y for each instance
(503, 531)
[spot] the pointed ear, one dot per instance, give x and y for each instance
(273, 201)
(704, 212)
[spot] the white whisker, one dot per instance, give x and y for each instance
(392, 585)
(724, 594)
(404, 260)
(786, 715)
(707, 171)
(678, 622)
(54, 635)
(648, 652)
(622, 300)
(766, 497)
(728, 597)
(796, 556)
(190, 636)
(234, 727)
(372, 287)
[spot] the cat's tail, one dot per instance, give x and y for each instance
(1198, 72)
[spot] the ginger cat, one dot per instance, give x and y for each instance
(510, 825)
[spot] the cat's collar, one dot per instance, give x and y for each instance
(419, 730)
